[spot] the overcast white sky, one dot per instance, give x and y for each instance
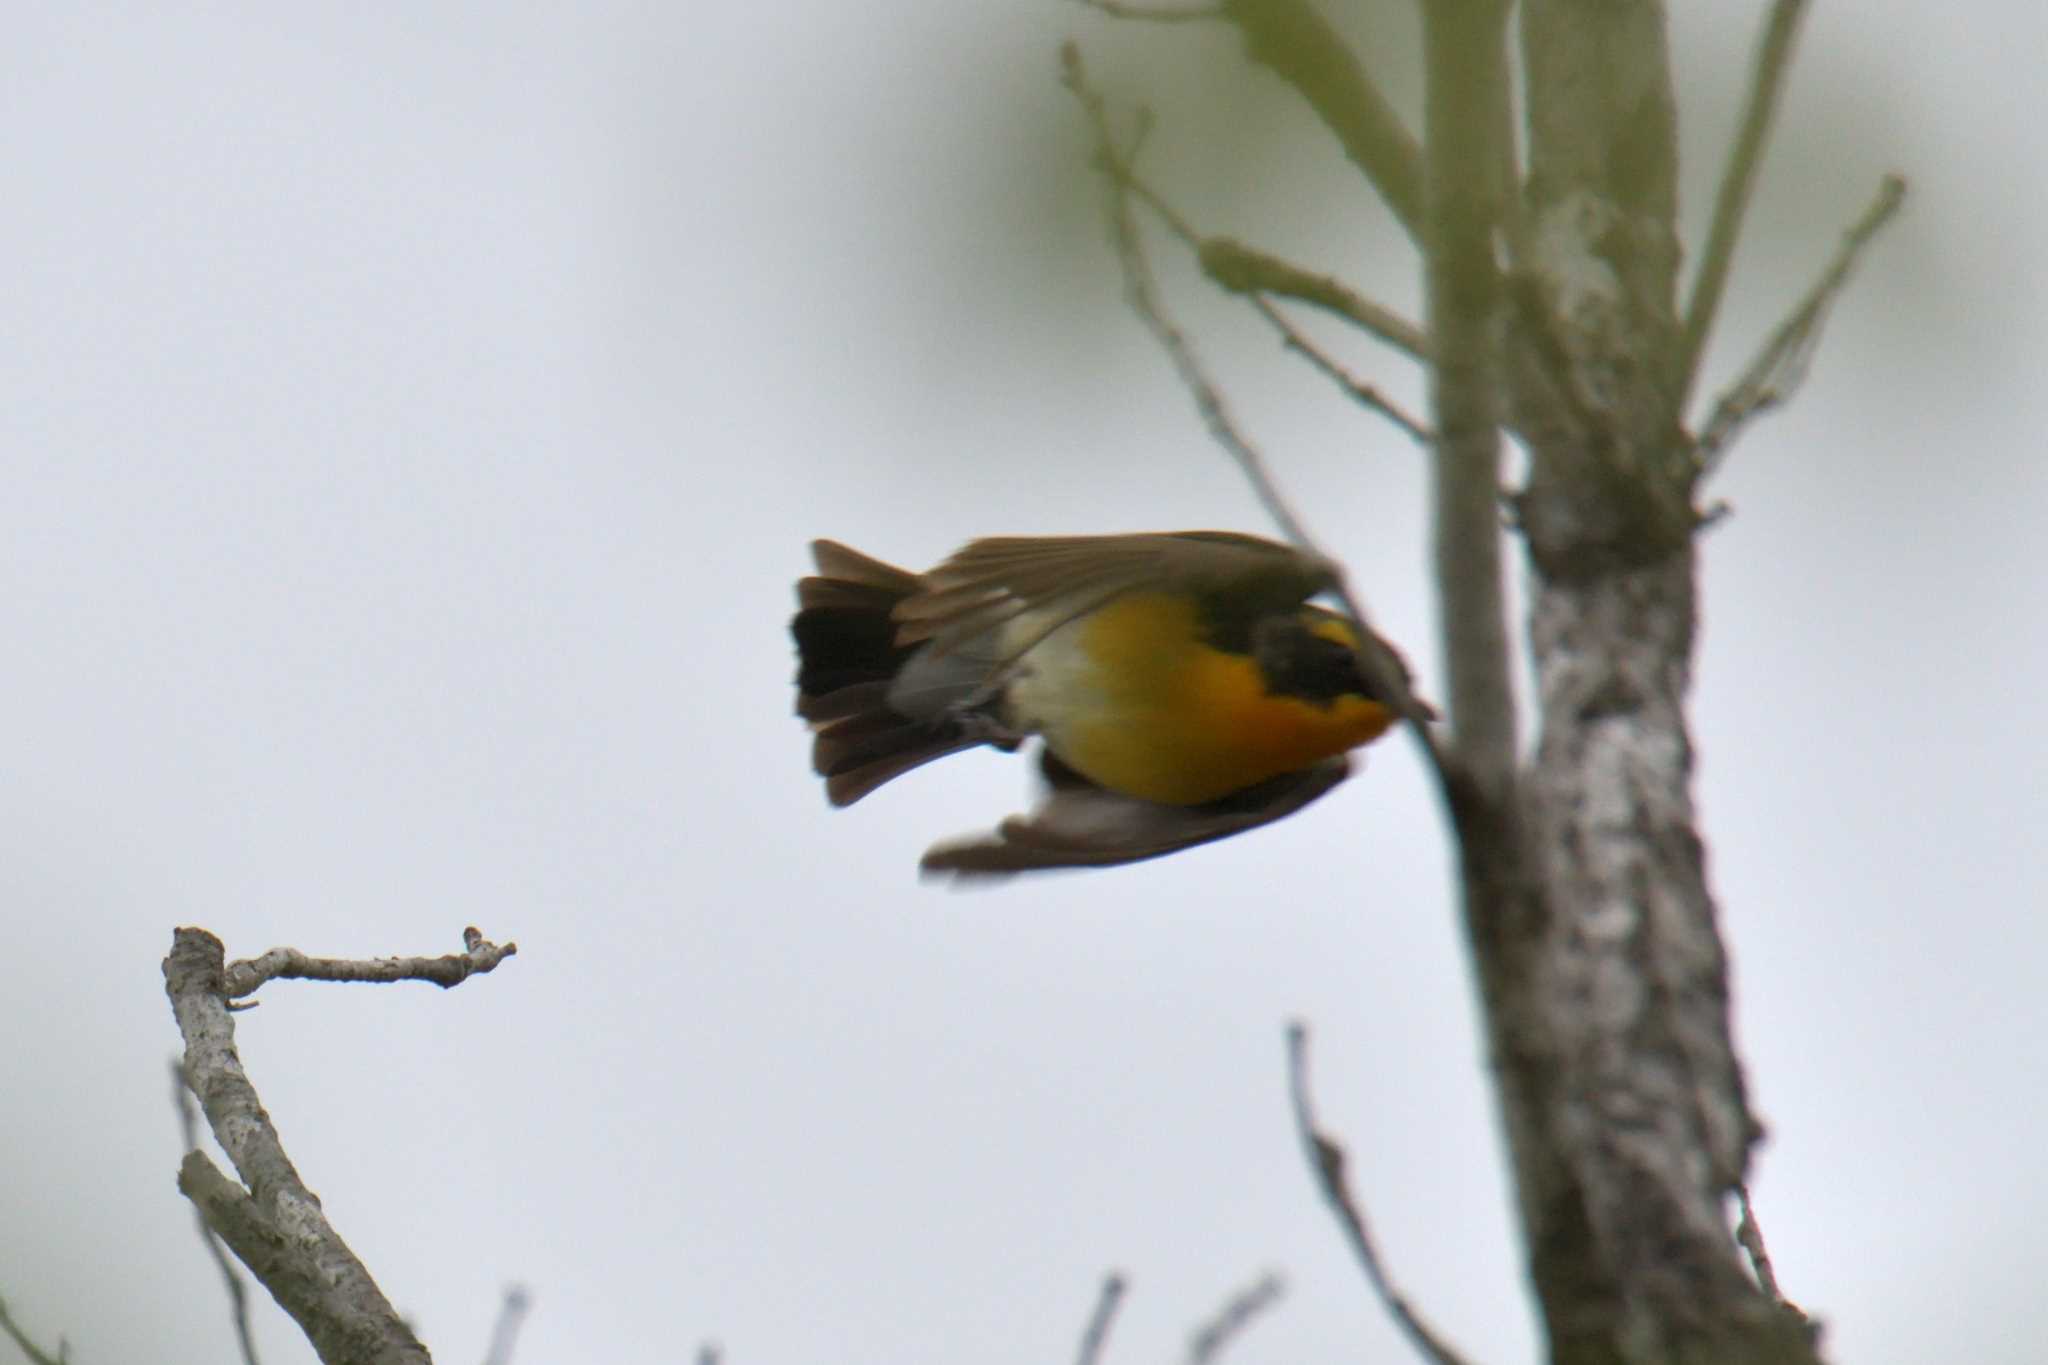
(412, 421)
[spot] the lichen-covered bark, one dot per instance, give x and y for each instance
(1645, 1120)
(1587, 907)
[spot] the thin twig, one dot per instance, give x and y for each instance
(1326, 1159)
(479, 955)
(1359, 390)
(238, 1294)
(1375, 656)
(518, 1302)
(1214, 1336)
(1239, 269)
(1780, 367)
(1738, 179)
(36, 1355)
(1155, 14)
(1097, 1332)
(1751, 1236)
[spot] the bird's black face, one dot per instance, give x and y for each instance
(1299, 661)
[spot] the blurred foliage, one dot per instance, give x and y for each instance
(1239, 154)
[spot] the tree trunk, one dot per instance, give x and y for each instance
(1592, 929)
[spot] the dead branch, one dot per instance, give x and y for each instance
(1214, 1336)
(1781, 366)
(1738, 179)
(270, 1220)
(1097, 1331)
(1326, 1159)
(479, 955)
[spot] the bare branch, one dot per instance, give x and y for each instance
(1240, 269)
(505, 1332)
(1375, 656)
(1738, 179)
(35, 1354)
(479, 955)
(1294, 40)
(1097, 1332)
(270, 1220)
(1237, 269)
(1359, 390)
(1326, 1159)
(1155, 14)
(1507, 176)
(1750, 1234)
(1781, 366)
(1464, 47)
(238, 1294)
(1215, 1335)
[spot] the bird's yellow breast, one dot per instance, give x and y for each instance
(1134, 699)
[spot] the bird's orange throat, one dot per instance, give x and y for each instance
(1135, 699)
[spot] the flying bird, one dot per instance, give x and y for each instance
(1182, 685)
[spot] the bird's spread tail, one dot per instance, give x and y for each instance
(848, 658)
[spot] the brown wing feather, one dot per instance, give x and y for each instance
(1079, 824)
(989, 583)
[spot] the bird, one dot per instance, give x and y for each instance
(1181, 685)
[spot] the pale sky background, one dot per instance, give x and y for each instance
(412, 419)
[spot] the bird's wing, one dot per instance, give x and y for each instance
(989, 583)
(1080, 824)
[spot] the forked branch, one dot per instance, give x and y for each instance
(1239, 269)
(238, 1293)
(1326, 1160)
(268, 1218)
(1780, 367)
